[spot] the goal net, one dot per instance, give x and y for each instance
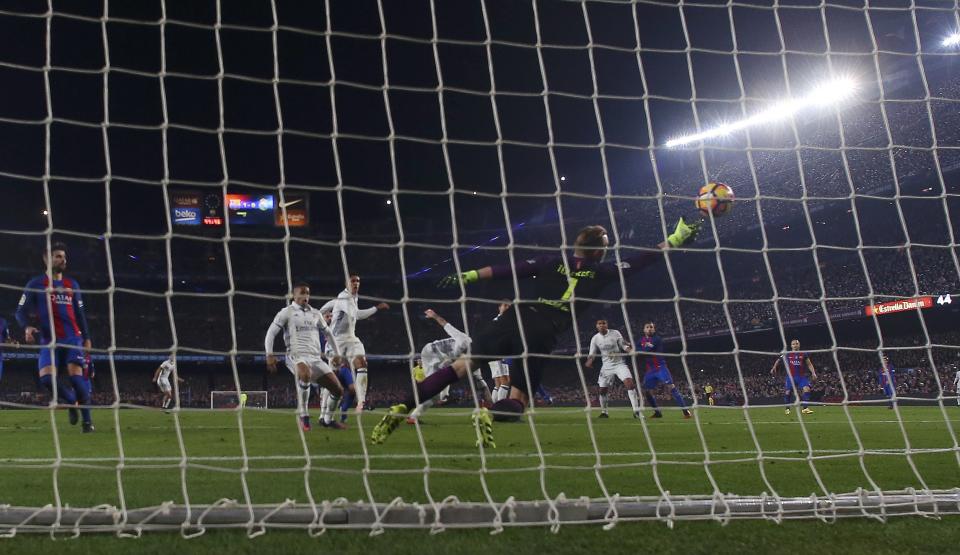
(232, 400)
(200, 159)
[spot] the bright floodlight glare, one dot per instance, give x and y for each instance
(823, 95)
(952, 40)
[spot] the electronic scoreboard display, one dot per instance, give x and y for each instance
(211, 209)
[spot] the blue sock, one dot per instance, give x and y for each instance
(805, 397)
(345, 405)
(83, 395)
(678, 398)
(650, 400)
(786, 398)
(64, 395)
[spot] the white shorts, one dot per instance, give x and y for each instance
(498, 369)
(621, 371)
(318, 367)
(351, 349)
(164, 384)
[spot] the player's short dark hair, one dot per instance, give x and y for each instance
(301, 285)
(591, 236)
(604, 320)
(58, 246)
(351, 274)
(651, 322)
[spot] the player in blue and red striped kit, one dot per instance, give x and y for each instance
(55, 299)
(887, 378)
(655, 371)
(797, 380)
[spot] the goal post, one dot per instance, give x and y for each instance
(418, 139)
(232, 400)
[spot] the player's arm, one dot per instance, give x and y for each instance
(363, 314)
(813, 371)
(26, 308)
(81, 312)
(156, 374)
(279, 322)
(776, 363)
(328, 306)
(8, 338)
(331, 343)
(624, 346)
(594, 351)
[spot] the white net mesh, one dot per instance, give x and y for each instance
(201, 159)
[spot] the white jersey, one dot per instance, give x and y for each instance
(956, 379)
(444, 351)
(166, 368)
(301, 328)
(346, 312)
(611, 346)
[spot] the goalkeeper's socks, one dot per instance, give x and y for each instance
(64, 395)
(83, 395)
(433, 385)
(677, 397)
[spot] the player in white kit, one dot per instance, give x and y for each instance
(610, 344)
(440, 353)
(301, 325)
(346, 312)
(956, 385)
(162, 378)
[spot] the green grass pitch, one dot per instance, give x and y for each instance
(212, 440)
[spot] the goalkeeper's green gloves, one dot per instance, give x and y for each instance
(684, 233)
(453, 280)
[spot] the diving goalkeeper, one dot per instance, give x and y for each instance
(542, 320)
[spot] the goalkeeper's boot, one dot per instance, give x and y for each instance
(807, 410)
(386, 426)
(786, 411)
(74, 416)
(88, 428)
(687, 415)
(305, 423)
(484, 424)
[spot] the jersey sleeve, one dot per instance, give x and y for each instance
(279, 323)
(27, 306)
(328, 306)
(621, 343)
(80, 310)
(525, 268)
(594, 348)
(363, 314)
(629, 264)
(453, 332)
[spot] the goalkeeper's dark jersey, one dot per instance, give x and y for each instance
(556, 285)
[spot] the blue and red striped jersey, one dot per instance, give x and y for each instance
(652, 362)
(69, 315)
(796, 363)
(890, 375)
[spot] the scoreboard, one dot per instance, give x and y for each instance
(211, 209)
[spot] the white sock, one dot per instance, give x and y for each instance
(325, 405)
(444, 394)
(361, 385)
(329, 406)
(303, 398)
(634, 402)
(504, 392)
(603, 402)
(421, 408)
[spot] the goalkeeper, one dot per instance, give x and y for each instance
(543, 320)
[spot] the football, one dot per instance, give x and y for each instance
(716, 199)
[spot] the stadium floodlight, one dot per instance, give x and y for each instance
(826, 94)
(952, 40)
